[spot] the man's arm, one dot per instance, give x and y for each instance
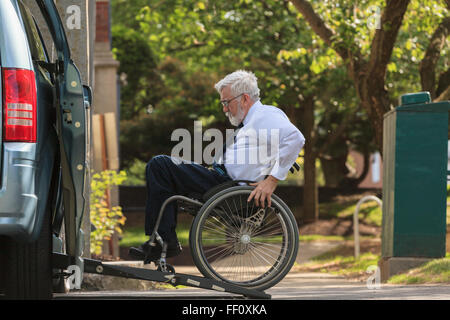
(288, 151)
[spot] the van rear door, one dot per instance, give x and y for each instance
(71, 127)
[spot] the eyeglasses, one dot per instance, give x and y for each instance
(225, 103)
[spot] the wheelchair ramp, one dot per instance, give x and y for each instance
(98, 267)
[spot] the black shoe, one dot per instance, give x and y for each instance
(173, 249)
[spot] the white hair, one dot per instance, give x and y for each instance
(240, 81)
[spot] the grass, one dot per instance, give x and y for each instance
(369, 212)
(135, 236)
(435, 271)
(132, 237)
(340, 261)
(318, 237)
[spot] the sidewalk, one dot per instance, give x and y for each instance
(309, 250)
(296, 285)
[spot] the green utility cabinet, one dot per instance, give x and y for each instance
(415, 157)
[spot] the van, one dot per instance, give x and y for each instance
(43, 167)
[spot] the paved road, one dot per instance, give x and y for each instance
(319, 287)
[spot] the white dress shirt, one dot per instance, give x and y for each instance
(267, 144)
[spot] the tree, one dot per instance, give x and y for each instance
(138, 71)
(333, 79)
(292, 66)
(441, 91)
(366, 67)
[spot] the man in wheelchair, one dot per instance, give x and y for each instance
(167, 176)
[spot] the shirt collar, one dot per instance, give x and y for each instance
(251, 112)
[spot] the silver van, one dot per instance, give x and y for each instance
(43, 152)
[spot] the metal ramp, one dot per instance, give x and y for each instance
(63, 261)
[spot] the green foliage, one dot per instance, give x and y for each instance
(354, 25)
(136, 174)
(420, 21)
(138, 71)
(106, 220)
(195, 43)
(172, 52)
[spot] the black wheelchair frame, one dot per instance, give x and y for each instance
(192, 199)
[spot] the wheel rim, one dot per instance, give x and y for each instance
(242, 243)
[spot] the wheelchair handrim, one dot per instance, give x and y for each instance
(288, 247)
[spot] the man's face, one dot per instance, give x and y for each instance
(234, 110)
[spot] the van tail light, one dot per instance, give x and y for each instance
(19, 105)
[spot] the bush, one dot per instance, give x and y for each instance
(106, 220)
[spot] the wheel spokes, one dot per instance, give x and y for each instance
(243, 243)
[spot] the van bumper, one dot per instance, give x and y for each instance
(18, 196)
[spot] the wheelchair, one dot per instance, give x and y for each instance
(234, 241)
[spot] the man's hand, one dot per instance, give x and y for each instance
(263, 191)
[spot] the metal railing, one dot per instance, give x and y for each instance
(356, 221)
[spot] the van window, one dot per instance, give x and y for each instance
(37, 47)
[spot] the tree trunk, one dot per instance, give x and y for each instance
(334, 170)
(373, 93)
(310, 191)
(428, 64)
(351, 182)
(375, 99)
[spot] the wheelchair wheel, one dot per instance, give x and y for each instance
(232, 240)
